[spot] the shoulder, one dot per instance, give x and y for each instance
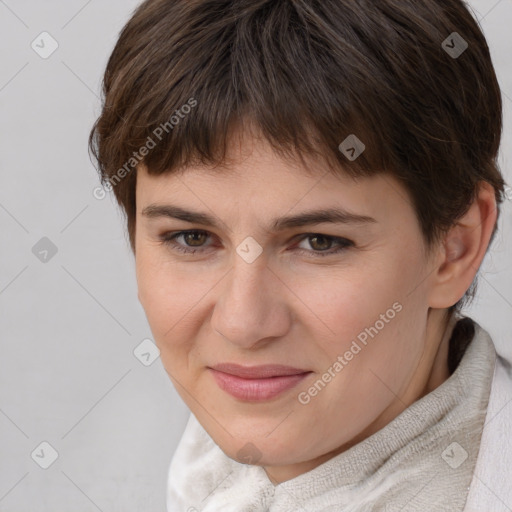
(491, 487)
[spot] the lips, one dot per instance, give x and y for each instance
(258, 372)
(256, 383)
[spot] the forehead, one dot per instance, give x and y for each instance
(255, 178)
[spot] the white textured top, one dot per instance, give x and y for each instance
(423, 460)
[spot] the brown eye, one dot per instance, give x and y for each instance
(186, 242)
(194, 238)
(323, 245)
(320, 242)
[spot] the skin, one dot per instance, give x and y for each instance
(293, 308)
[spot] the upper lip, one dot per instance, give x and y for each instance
(257, 372)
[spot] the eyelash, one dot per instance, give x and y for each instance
(169, 240)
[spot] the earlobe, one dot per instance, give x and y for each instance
(463, 250)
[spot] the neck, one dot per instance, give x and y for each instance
(439, 372)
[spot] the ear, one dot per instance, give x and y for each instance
(462, 250)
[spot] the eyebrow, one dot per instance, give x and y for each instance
(328, 215)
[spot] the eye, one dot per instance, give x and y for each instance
(193, 237)
(194, 242)
(322, 243)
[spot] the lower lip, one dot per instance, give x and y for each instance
(254, 390)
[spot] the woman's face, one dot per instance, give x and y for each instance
(343, 303)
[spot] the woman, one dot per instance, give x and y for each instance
(310, 189)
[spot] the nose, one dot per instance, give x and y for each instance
(250, 307)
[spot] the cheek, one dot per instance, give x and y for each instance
(347, 301)
(162, 293)
(173, 301)
(369, 315)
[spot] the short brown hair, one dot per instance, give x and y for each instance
(308, 74)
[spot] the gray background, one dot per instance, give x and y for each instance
(69, 325)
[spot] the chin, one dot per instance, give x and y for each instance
(260, 450)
